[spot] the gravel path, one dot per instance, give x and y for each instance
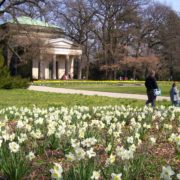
(92, 93)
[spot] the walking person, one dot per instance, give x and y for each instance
(174, 95)
(151, 85)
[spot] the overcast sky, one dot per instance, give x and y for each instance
(175, 4)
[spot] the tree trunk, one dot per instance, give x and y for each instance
(115, 74)
(9, 57)
(172, 69)
(171, 73)
(87, 71)
(145, 72)
(134, 74)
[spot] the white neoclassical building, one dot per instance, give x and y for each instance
(60, 55)
(52, 55)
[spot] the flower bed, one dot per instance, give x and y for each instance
(89, 143)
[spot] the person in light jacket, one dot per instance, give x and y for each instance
(174, 95)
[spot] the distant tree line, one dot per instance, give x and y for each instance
(118, 37)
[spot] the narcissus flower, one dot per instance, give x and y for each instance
(167, 172)
(116, 176)
(96, 175)
(14, 147)
(31, 156)
(56, 172)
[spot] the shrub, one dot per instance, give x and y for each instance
(18, 82)
(13, 82)
(5, 83)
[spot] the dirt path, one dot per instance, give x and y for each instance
(92, 93)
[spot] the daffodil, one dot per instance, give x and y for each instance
(167, 172)
(116, 176)
(14, 147)
(95, 175)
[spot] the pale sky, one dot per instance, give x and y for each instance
(175, 4)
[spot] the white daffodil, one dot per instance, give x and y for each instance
(40, 121)
(74, 143)
(167, 172)
(20, 124)
(152, 140)
(137, 135)
(132, 148)
(37, 134)
(130, 140)
(80, 153)
(31, 156)
(5, 136)
(89, 142)
(1, 141)
(23, 137)
(14, 147)
(177, 140)
(71, 157)
(90, 153)
(28, 127)
(116, 176)
(81, 133)
(124, 153)
(108, 148)
(168, 126)
(12, 137)
(172, 137)
(178, 176)
(112, 158)
(56, 172)
(95, 175)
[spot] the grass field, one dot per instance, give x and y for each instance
(27, 98)
(130, 87)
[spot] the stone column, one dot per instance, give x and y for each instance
(35, 69)
(42, 69)
(67, 65)
(47, 70)
(71, 67)
(61, 66)
(54, 66)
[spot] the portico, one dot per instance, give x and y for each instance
(56, 59)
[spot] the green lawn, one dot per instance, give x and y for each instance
(27, 98)
(118, 87)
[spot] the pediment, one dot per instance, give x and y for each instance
(62, 43)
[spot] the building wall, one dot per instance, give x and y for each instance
(36, 37)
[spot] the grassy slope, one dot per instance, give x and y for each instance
(113, 87)
(21, 97)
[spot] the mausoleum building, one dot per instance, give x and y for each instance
(52, 55)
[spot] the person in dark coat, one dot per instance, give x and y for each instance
(151, 85)
(174, 95)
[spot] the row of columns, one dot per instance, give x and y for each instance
(61, 65)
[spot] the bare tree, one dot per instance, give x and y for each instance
(163, 35)
(75, 17)
(12, 7)
(115, 21)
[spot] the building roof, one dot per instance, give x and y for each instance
(24, 20)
